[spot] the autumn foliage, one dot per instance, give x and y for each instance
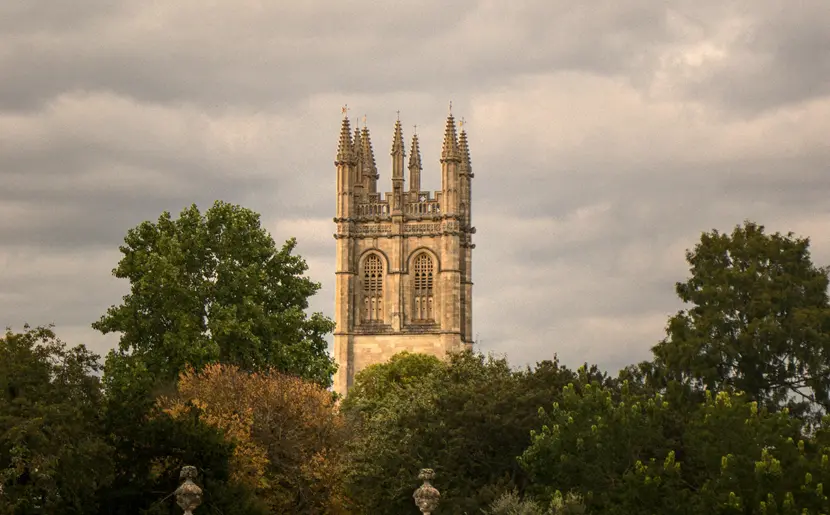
(287, 433)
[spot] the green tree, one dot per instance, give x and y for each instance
(623, 453)
(759, 321)
(374, 383)
(467, 419)
(214, 287)
(53, 456)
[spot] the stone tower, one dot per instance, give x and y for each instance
(404, 258)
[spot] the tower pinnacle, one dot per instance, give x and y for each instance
(450, 149)
(415, 154)
(345, 152)
(397, 140)
(397, 157)
(464, 150)
(369, 167)
(415, 166)
(367, 153)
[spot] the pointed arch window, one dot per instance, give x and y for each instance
(373, 289)
(423, 303)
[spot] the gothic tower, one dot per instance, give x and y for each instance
(403, 272)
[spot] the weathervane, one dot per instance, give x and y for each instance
(462, 122)
(344, 110)
(415, 130)
(364, 121)
(450, 107)
(398, 112)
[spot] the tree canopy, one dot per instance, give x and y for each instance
(53, 456)
(214, 287)
(468, 419)
(287, 436)
(759, 320)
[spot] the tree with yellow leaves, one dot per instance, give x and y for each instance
(287, 433)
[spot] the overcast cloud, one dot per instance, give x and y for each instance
(606, 135)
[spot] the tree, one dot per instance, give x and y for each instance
(759, 321)
(375, 382)
(468, 419)
(150, 455)
(286, 432)
(622, 453)
(53, 456)
(215, 288)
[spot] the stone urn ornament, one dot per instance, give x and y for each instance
(427, 496)
(188, 494)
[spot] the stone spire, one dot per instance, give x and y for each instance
(356, 139)
(397, 140)
(464, 151)
(357, 178)
(397, 169)
(465, 172)
(370, 173)
(449, 152)
(345, 151)
(397, 152)
(415, 166)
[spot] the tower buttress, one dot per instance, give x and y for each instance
(345, 171)
(345, 270)
(466, 254)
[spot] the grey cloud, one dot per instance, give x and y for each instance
(270, 57)
(591, 180)
(781, 56)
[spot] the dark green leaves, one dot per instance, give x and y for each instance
(215, 287)
(759, 320)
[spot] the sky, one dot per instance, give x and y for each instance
(605, 136)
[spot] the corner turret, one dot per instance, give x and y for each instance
(450, 160)
(345, 163)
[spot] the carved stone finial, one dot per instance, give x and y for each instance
(188, 494)
(427, 496)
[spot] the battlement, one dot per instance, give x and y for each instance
(358, 195)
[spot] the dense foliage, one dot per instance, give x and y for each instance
(214, 287)
(759, 321)
(287, 435)
(220, 367)
(468, 420)
(53, 457)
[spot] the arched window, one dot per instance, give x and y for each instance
(372, 289)
(423, 304)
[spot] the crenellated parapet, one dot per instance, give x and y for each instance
(357, 167)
